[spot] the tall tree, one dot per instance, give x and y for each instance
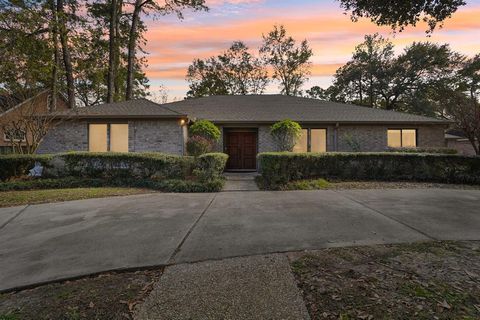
(236, 71)
(155, 7)
(67, 59)
(290, 63)
(407, 82)
(113, 39)
(399, 14)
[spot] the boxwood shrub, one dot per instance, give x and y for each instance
(277, 169)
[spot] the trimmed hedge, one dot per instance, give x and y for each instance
(277, 169)
(145, 170)
(424, 150)
(171, 185)
(122, 165)
(15, 165)
(210, 166)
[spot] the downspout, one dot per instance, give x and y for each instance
(335, 136)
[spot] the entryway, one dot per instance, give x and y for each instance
(240, 181)
(241, 146)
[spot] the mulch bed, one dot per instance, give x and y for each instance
(107, 296)
(435, 280)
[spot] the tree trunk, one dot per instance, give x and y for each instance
(132, 43)
(116, 65)
(67, 59)
(56, 56)
(111, 51)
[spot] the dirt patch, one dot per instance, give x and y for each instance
(107, 296)
(436, 280)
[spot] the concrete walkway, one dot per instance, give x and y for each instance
(240, 182)
(259, 287)
(47, 242)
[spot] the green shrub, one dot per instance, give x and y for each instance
(314, 184)
(278, 169)
(59, 183)
(17, 165)
(198, 145)
(205, 129)
(124, 165)
(286, 134)
(210, 166)
(151, 170)
(170, 185)
(424, 150)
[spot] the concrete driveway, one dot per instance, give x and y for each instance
(47, 242)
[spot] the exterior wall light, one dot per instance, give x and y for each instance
(182, 122)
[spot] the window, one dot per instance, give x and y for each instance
(312, 140)
(108, 137)
(318, 140)
(302, 143)
(14, 135)
(119, 137)
(398, 138)
(97, 138)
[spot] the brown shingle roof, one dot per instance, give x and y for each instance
(271, 108)
(139, 108)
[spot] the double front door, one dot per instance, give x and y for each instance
(241, 147)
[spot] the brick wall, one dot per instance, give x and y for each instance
(65, 136)
(156, 135)
(165, 136)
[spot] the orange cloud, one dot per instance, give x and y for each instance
(333, 36)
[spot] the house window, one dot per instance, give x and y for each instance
(14, 136)
(108, 137)
(402, 138)
(302, 143)
(312, 140)
(318, 140)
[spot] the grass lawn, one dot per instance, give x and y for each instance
(14, 198)
(434, 280)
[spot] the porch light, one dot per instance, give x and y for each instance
(182, 122)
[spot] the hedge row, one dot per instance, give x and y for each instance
(15, 165)
(424, 150)
(170, 185)
(159, 171)
(277, 169)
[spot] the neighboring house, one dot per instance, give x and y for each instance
(455, 139)
(14, 108)
(141, 125)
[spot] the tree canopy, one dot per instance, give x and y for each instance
(399, 14)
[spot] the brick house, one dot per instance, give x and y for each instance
(14, 108)
(142, 125)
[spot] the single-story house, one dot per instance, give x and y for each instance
(15, 108)
(456, 139)
(142, 125)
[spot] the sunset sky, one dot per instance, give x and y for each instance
(173, 44)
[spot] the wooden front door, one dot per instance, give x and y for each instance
(241, 147)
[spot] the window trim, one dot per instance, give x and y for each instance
(108, 134)
(401, 136)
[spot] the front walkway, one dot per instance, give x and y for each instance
(240, 181)
(47, 242)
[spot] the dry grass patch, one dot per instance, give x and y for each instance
(439, 280)
(15, 198)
